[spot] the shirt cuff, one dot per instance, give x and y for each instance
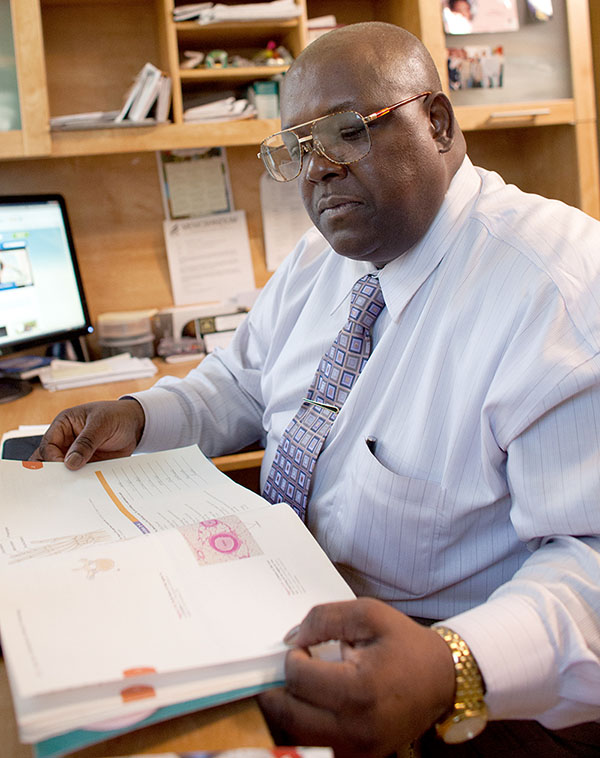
(515, 656)
(164, 423)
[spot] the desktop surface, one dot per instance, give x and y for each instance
(41, 406)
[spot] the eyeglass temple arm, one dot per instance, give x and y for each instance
(384, 111)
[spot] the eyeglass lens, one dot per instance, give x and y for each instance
(341, 137)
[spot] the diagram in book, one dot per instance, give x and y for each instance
(55, 545)
(95, 566)
(219, 540)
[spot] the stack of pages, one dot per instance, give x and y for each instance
(227, 109)
(137, 589)
(211, 13)
(62, 375)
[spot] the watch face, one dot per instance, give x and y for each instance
(465, 729)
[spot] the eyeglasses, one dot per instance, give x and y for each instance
(342, 138)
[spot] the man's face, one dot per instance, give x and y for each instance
(379, 207)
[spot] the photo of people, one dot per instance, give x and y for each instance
(475, 66)
(479, 16)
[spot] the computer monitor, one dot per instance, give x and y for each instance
(41, 295)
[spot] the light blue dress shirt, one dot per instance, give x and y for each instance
(481, 501)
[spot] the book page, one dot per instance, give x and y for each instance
(210, 596)
(47, 509)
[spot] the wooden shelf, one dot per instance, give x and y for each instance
(242, 73)
(472, 117)
(161, 137)
(239, 461)
(11, 144)
(247, 32)
(253, 131)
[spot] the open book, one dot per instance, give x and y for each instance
(144, 587)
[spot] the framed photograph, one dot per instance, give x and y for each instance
(540, 10)
(479, 16)
(475, 66)
(194, 182)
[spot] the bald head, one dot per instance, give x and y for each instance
(391, 53)
(377, 207)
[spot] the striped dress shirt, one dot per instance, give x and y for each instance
(480, 501)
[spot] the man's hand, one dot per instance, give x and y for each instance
(93, 432)
(396, 679)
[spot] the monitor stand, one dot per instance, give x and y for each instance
(12, 388)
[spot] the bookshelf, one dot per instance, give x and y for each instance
(27, 133)
(80, 55)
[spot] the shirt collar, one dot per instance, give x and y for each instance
(402, 277)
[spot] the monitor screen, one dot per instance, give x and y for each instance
(41, 295)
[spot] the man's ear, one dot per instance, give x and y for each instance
(441, 117)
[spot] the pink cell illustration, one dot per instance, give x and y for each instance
(218, 540)
(224, 543)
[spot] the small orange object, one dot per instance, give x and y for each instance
(137, 692)
(33, 465)
(139, 671)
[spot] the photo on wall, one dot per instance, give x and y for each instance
(475, 66)
(479, 16)
(540, 10)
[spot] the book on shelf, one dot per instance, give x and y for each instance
(147, 93)
(145, 587)
(149, 85)
(163, 99)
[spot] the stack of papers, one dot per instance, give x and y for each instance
(228, 109)
(212, 13)
(62, 375)
(190, 11)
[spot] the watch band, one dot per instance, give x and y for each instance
(469, 714)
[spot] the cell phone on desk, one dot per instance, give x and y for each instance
(20, 448)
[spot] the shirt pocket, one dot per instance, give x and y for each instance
(388, 529)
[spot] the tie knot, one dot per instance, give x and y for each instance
(366, 302)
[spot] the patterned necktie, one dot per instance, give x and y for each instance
(295, 458)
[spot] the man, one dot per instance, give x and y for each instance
(457, 478)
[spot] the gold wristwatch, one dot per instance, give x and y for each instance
(469, 714)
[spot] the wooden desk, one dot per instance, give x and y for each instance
(234, 725)
(41, 406)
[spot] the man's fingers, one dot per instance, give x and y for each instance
(97, 430)
(327, 684)
(47, 452)
(83, 448)
(350, 621)
(303, 722)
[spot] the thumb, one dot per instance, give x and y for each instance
(84, 445)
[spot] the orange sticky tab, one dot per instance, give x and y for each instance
(140, 671)
(139, 692)
(33, 465)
